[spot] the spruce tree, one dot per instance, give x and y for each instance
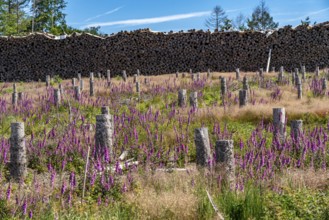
(13, 18)
(49, 15)
(261, 19)
(216, 19)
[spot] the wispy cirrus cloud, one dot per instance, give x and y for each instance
(155, 20)
(308, 15)
(106, 13)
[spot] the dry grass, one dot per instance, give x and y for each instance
(165, 195)
(298, 179)
(294, 107)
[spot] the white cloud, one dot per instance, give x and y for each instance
(235, 10)
(134, 22)
(308, 15)
(106, 13)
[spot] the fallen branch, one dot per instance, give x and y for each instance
(214, 206)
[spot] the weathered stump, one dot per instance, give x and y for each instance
(243, 98)
(198, 76)
(124, 75)
(138, 88)
(209, 75)
(293, 77)
(47, 80)
(224, 151)
(182, 98)
(324, 84)
(261, 72)
(303, 72)
(193, 76)
(105, 110)
(202, 144)
(91, 76)
(237, 74)
(297, 79)
(296, 128)
(279, 120)
(317, 71)
(194, 99)
(104, 134)
(245, 83)
(108, 75)
(57, 97)
(91, 87)
(299, 88)
(18, 162)
(81, 84)
(61, 89)
(20, 96)
(77, 93)
(280, 76)
(223, 86)
(14, 98)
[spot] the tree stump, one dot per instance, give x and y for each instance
(194, 99)
(91, 87)
(124, 75)
(209, 75)
(18, 162)
(243, 98)
(137, 87)
(279, 120)
(77, 93)
(182, 98)
(47, 81)
(237, 74)
(81, 85)
(317, 71)
(202, 144)
(57, 97)
(245, 83)
(104, 134)
(224, 150)
(299, 88)
(61, 89)
(303, 71)
(324, 84)
(20, 96)
(296, 128)
(91, 76)
(223, 86)
(14, 99)
(105, 110)
(108, 75)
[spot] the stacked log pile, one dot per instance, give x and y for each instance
(35, 56)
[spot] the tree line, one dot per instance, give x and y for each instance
(20, 17)
(260, 20)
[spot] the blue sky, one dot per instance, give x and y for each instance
(165, 15)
